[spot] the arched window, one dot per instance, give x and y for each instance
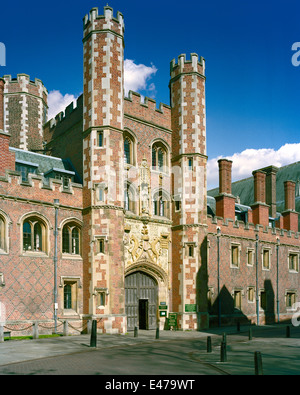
(34, 235)
(161, 204)
(71, 239)
(2, 234)
(129, 149)
(159, 157)
(129, 197)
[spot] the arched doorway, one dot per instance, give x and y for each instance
(141, 301)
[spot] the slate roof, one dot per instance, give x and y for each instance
(45, 163)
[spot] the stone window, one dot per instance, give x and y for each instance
(71, 239)
(70, 296)
(266, 259)
(250, 257)
(235, 256)
(129, 149)
(101, 296)
(2, 234)
(100, 140)
(237, 299)
(161, 204)
(159, 157)
(100, 244)
(129, 197)
(290, 299)
(34, 235)
(251, 294)
(293, 262)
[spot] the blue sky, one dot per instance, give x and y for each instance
(252, 88)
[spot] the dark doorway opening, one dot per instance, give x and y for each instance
(143, 314)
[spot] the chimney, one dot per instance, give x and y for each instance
(271, 172)
(290, 216)
(7, 159)
(260, 210)
(225, 201)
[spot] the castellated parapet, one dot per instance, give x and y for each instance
(195, 64)
(94, 21)
(25, 108)
(146, 110)
(36, 190)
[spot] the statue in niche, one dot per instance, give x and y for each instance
(144, 188)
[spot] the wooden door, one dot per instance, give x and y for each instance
(141, 301)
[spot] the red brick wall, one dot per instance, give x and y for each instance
(7, 158)
(29, 276)
(244, 276)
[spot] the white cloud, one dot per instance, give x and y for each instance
(136, 76)
(58, 102)
(243, 163)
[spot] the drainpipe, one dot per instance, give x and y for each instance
(257, 294)
(56, 203)
(277, 284)
(219, 296)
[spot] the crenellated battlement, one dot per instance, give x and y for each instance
(63, 115)
(240, 229)
(37, 188)
(23, 83)
(194, 65)
(94, 21)
(146, 109)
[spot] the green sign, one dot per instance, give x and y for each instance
(172, 320)
(163, 307)
(191, 308)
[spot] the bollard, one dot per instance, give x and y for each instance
(157, 333)
(288, 331)
(208, 346)
(66, 328)
(250, 333)
(35, 330)
(224, 338)
(135, 331)
(223, 352)
(93, 342)
(258, 363)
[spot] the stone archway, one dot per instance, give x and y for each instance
(141, 300)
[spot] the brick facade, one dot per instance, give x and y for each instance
(141, 206)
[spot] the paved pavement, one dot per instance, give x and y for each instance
(173, 353)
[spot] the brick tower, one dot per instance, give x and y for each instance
(103, 161)
(187, 88)
(25, 111)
